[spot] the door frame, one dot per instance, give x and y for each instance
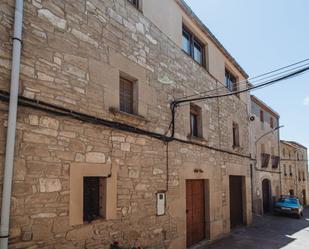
(243, 198)
(269, 195)
(206, 211)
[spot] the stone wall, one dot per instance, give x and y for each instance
(73, 53)
(270, 143)
(298, 166)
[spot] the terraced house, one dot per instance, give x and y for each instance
(265, 146)
(294, 163)
(99, 155)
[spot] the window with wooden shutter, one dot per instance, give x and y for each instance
(271, 122)
(126, 95)
(261, 116)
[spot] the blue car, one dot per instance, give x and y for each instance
(289, 205)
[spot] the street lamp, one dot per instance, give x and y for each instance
(267, 133)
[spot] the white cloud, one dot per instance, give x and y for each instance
(306, 101)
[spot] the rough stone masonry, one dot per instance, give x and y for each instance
(73, 55)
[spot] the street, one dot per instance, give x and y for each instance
(269, 232)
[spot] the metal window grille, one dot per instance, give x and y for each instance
(126, 95)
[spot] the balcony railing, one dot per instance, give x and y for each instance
(275, 162)
(265, 159)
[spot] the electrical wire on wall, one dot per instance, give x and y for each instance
(61, 111)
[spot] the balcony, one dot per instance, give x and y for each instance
(265, 160)
(275, 162)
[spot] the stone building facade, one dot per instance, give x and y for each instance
(265, 142)
(294, 170)
(70, 126)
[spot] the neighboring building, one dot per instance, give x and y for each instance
(265, 146)
(93, 163)
(294, 167)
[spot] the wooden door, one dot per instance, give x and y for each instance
(195, 209)
(266, 195)
(236, 201)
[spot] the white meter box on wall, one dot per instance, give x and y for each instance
(161, 203)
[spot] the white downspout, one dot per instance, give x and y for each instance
(11, 131)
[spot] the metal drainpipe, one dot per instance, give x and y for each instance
(11, 131)
(280, 167)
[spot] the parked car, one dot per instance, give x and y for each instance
(289, 205)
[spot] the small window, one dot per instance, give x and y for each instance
(291, 192)
(126, 95)
(283, 152)
(135, 3)
(291, 173)
(304, 177)
(284, 166)
(195, 121)
(262, 116)
(271, 122)
(230, 81)
(236, 135)
(94, 198)
(192, 46)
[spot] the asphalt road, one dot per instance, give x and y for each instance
(269, 232)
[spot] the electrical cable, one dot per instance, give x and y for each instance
(57, 110)
(246, 81)
(267, 83)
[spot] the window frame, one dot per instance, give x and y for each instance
(271, 121)
(231, 76)
(132, 109)
(262, 117)
(290, 168)
(196, 131)
(192, 41)
(236, 135)
(100, 199)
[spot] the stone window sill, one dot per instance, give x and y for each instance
(124, 115)
(196, 139)
(95, 221)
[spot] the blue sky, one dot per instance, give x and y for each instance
(263, 35)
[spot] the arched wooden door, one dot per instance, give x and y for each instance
(266, 195)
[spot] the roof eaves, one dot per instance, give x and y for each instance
(263, 104)
(206, 30)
